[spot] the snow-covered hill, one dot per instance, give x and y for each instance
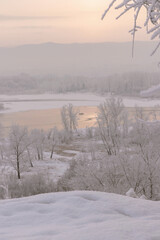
(79, 216)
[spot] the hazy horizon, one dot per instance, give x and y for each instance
(79, 43)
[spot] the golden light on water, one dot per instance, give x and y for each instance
(47, 119)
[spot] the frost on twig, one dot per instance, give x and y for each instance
(152, 20)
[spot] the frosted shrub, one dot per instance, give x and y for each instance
(36, 184)
(27, 186)
(114, 174)
(97, 174)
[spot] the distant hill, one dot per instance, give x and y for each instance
(88, 59)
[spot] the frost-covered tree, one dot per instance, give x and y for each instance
(38, 138)
(146, 150)
(52, 140)
(110, 123)
(152, 21)
(18, 142)
(69, 118)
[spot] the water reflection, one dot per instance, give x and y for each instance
(46, 119)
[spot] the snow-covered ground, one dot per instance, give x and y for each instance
(52, 168)
(17, 103)
(79, 216)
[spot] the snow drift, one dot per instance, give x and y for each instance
(79, 216)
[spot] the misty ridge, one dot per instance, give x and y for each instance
(96, 67)
(88, 59)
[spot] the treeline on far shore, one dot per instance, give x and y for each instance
(127, 84)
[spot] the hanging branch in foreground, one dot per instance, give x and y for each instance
(152, 16)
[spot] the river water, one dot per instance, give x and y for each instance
(48, 118)
(43, 111)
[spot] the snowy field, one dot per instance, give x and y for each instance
(79, 216)
(17, 103)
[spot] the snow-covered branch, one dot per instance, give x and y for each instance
(152, 21)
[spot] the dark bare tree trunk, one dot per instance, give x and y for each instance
(18, 168)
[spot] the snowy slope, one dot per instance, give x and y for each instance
(79, 216)
(151, 92)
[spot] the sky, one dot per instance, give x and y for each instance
(62, 21)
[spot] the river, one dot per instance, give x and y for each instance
(43, 111)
